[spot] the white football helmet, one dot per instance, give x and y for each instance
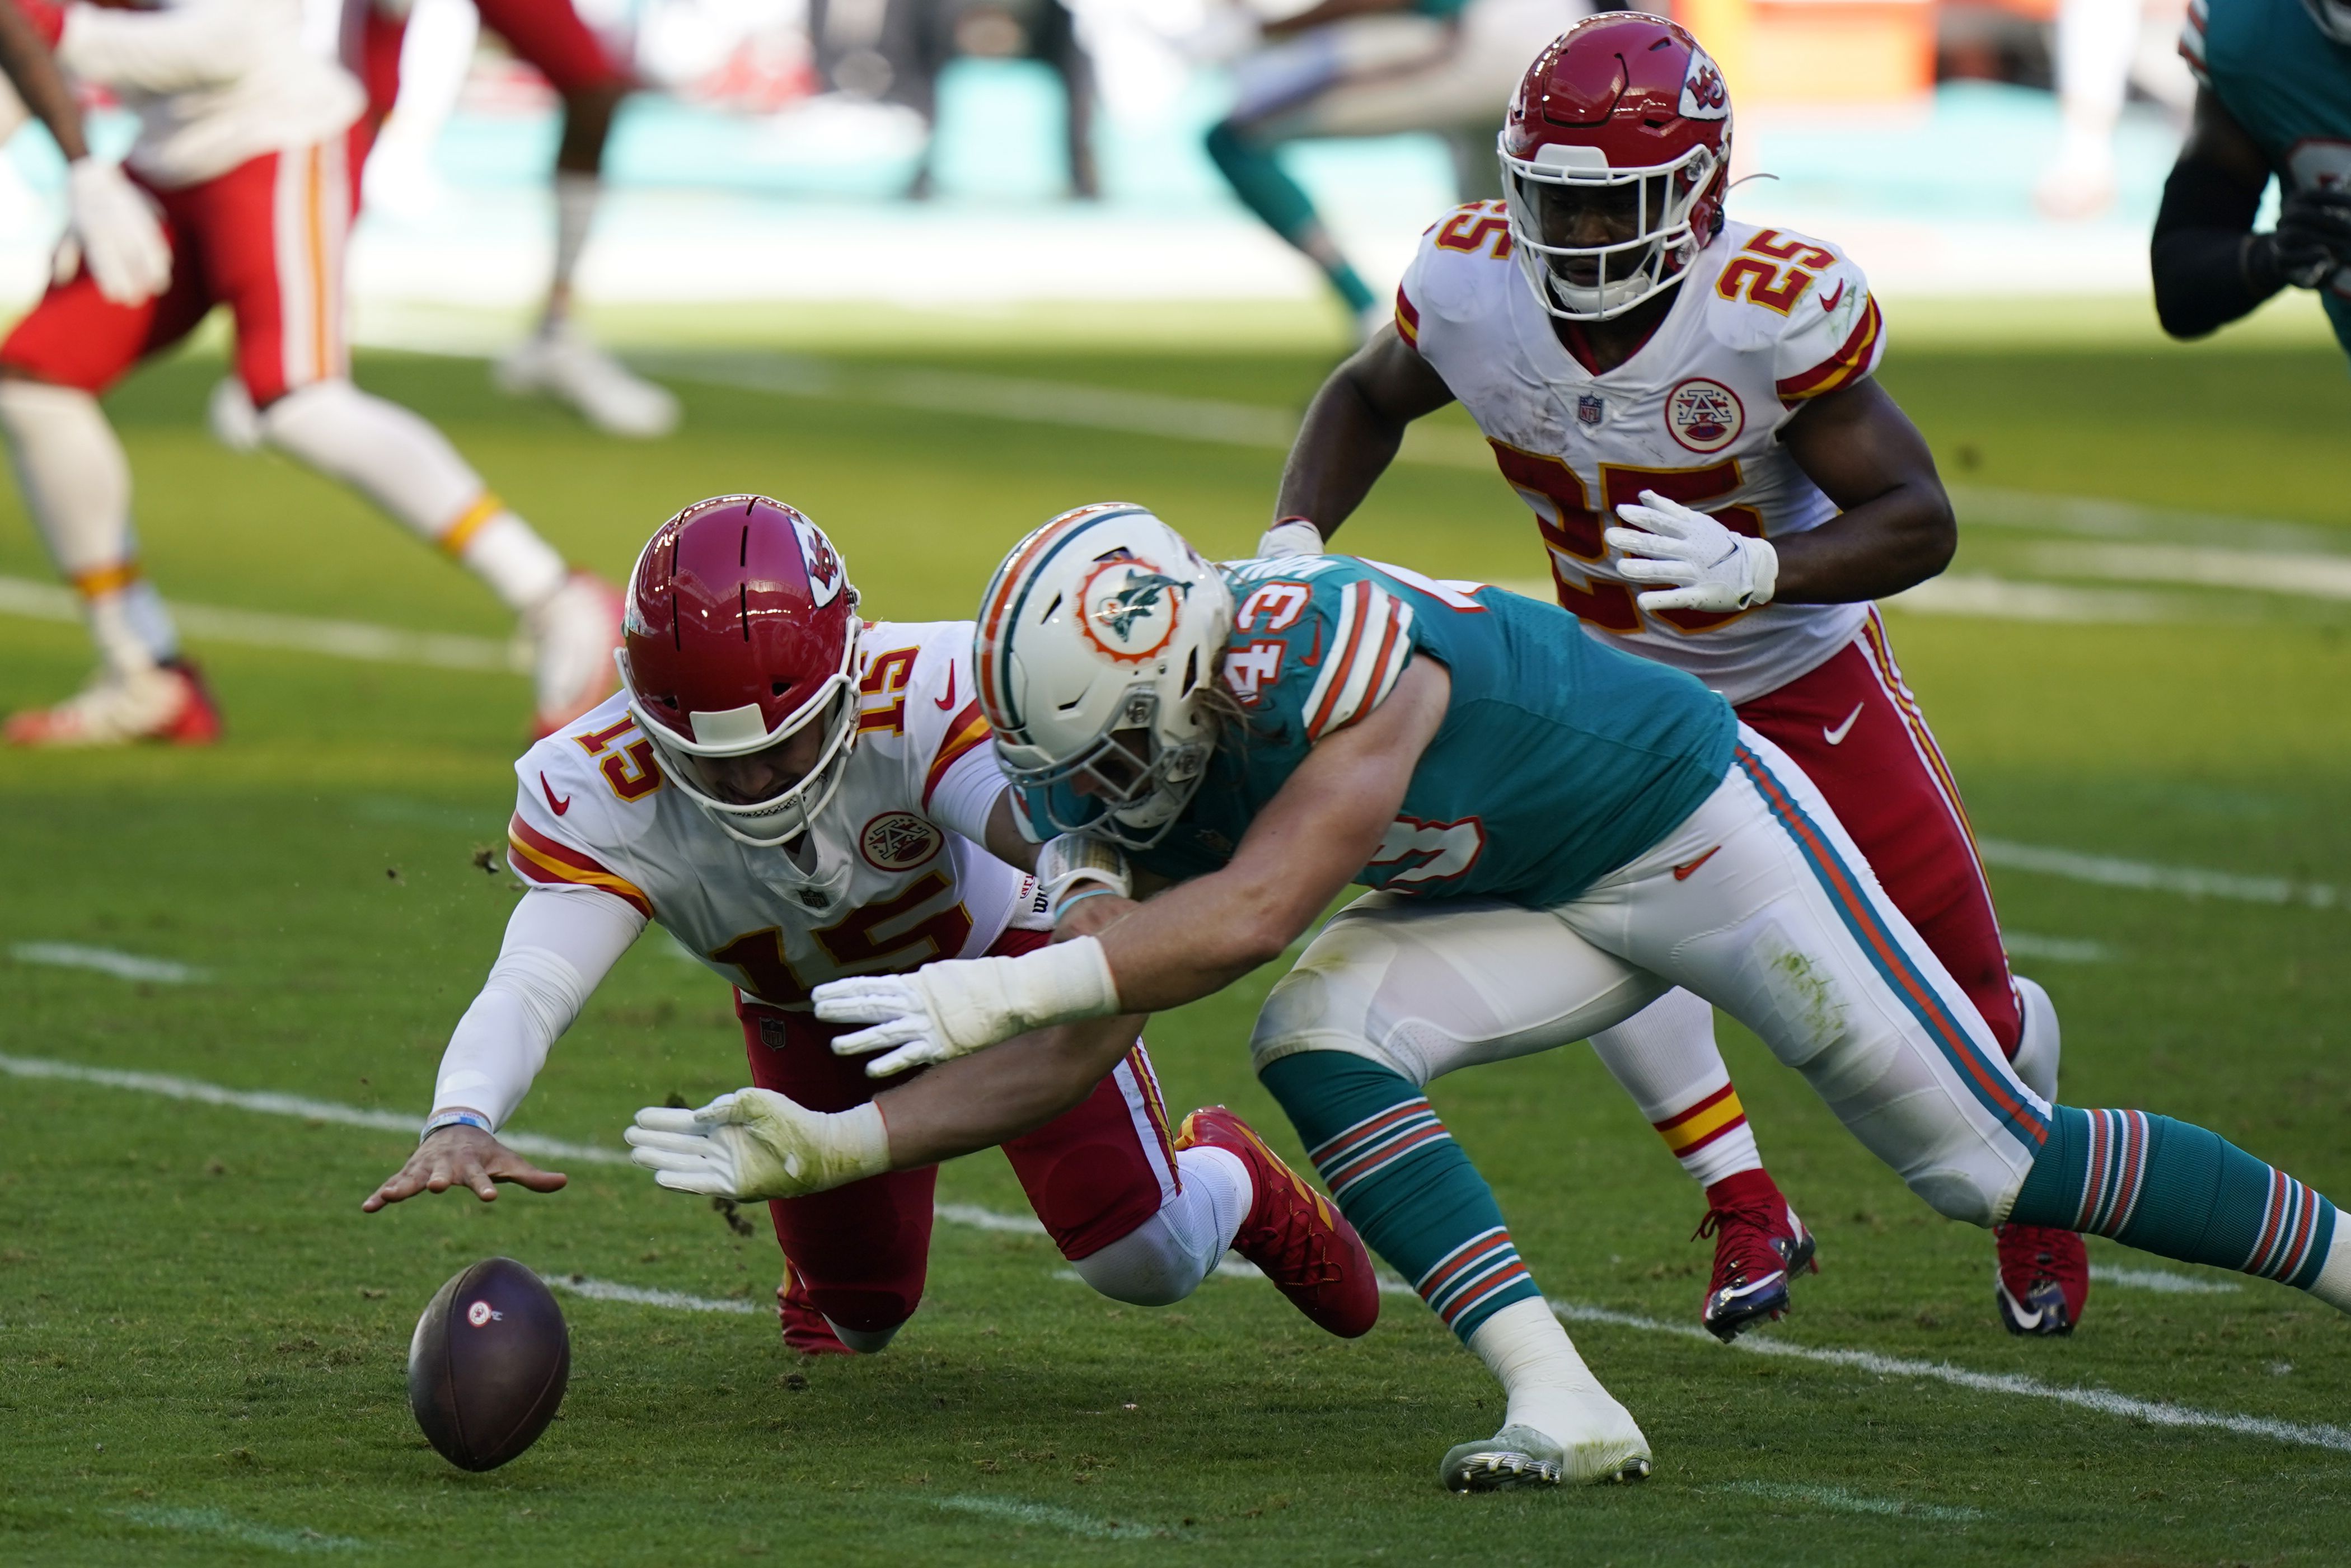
(1096, 650)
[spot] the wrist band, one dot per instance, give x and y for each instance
(1089, 888)
(455, 1119)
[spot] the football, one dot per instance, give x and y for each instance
(487, 1367)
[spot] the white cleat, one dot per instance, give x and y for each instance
(558, 362)
(572, 636)
(1609, 1448)
(167, 703)
(236, 422)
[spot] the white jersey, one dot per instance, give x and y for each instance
(901, 878)
(1763, 320)
(215, 82)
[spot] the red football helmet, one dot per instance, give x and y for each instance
(1615, 159)
(740, 631)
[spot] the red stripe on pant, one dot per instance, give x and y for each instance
(862, 1251)
(1846, 725)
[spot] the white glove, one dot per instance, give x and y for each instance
(111, 227)
(1290, 536)
(1075, 867)
(944, 1010)
(755, 1143)
(1712, 568)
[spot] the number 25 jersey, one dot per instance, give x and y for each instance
(896, 883)
(1763, 320)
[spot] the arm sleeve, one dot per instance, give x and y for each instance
(558, 944)
(1832, 337)
(2197, 255)
(157, 51)
(966, 792)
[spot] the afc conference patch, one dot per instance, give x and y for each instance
(1589, 410)
(1704, 415)
(898, 841)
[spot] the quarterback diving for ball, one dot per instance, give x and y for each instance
(1557, 833)
(796, 794)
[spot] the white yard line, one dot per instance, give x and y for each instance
(106, 961)
(2160, 1281)
(2154, 1412)
(2057, 949)
(1836, 1500)
(220, 1526)
(1012, 1510)
(639, 1295)
(2302, 575)
(2004, 599)
(33, 601)
(2189, 881)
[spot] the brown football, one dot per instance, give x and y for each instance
(487, 1367)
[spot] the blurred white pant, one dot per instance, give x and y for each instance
(1758, 903)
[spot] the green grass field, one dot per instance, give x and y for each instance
(203, 1341)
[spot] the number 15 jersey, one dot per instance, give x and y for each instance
(1763, 320)
(900, 876)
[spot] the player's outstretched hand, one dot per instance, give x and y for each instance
(462, 1156)
(1710, 567)
(755, 1143)
(113, 230)
(948, 1009)
(901, 1019)
(2312, 241)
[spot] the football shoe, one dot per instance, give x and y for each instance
(168, 703)
(2043, 1279)
(572, 634)
(1291, 1233)
(1608, 1448)
(234, 423)
(1759, 1245)
(559, 362)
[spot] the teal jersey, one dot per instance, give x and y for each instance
(2289, 85)
(1559, 760)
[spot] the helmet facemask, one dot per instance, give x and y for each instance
(2333, 16)
(1594, 241)
(763, 787)
(1127, 784)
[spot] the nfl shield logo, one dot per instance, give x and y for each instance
(1588, 408)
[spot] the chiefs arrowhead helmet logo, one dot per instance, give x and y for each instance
(1705, 96)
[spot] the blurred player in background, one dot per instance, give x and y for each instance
(891, 51)
(796, 795)
(246, 145)
(547, 34)
(2104, 47)
(2273, 99)
(1374, 68)
(1630, 354)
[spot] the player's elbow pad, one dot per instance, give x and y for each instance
(2197, 252)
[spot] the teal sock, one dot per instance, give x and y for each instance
(2173, 1188)
(1404, 1183)
(1260, 181)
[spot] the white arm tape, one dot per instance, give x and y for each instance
(559, 946)
(962, 799)
(982, 1001)
(1075, 866)
(1291, 537)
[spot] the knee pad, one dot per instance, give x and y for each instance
(1147, 1267)
(865, 1342)
(2037, 1044)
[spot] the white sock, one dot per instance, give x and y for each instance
(407, 468)
(2332, 1285)
(577, 196)
(1164, 1258)
(77, 485)
(1665, 1056)
(1545, 1381)
(2038, 1045)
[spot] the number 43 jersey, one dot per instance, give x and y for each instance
(1763, 320)
(897, 876)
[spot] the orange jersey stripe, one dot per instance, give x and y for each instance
(540, 859)
(967, 731)
(1360, 593)
(1845, 367)
(1408, 320)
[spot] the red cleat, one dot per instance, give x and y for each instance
(1292, 1234)
(168, 703)
(1759, 1246)
(2043, 1279)
(806, 1329)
